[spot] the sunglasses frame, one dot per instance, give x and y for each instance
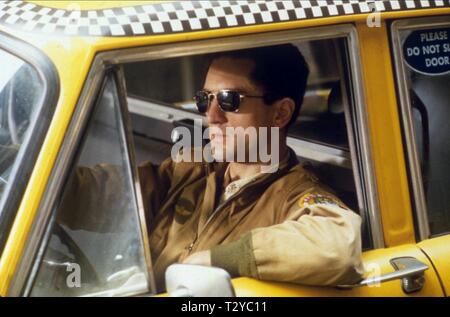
(209, 93)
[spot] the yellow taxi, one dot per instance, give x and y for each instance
(91, 82)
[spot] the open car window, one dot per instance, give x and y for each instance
(177, 79)
(160, 97)
(95, 245)
(423, 72)
(29, 88)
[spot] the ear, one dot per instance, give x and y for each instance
(283, 111)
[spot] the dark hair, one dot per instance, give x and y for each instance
(281, 71)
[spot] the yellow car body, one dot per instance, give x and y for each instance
(73, 56)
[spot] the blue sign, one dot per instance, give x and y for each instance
(428, 51)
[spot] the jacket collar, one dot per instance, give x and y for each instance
(219, 168)
(245, 197)
(215, 176)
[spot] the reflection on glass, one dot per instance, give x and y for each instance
(430, 95)
(20, 91)
(96, 246)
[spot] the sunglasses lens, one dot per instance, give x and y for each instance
(202, 100)
(228, 100)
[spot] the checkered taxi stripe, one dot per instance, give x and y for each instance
(187, 16)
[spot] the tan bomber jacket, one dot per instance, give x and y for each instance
(284, 226)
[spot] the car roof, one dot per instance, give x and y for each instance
(144, 18)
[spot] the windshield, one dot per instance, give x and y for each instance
(21, 89)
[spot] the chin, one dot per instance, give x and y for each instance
(218, 152)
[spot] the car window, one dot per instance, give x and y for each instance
(423, 65)
(177, 79)
(29, 91)
(320, 136)
(95, 245)
(21, 90)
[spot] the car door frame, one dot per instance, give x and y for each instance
(46, 70)
(418, 194)
(107, 59)
(26, 271)
(432, 245)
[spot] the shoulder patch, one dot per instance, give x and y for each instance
(314, 199)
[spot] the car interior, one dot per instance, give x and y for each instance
(430, 112)
(160, 97)
(319, 136)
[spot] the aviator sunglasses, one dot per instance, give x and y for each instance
(228, 100)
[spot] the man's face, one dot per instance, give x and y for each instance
(234, 74)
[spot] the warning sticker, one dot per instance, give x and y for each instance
(428, 51)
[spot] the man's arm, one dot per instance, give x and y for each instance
(319, 244)
(90, 197)
(155, 182)
(95, 199)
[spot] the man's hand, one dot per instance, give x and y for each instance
(199, 258)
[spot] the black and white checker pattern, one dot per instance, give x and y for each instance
(187, 16)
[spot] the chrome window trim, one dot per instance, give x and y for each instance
(367, 177)
(126, 122)
(26, 158)
(354, 160)
(75, 137)
(402, 81)
(121, 56)
(23, 278)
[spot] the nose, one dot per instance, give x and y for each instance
(214, 114)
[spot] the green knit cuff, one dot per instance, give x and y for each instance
(236, 258)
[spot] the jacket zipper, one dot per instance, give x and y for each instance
(191, 246)
(221, 206)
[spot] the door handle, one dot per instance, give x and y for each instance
(407, 269)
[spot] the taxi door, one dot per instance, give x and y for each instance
(422, 63)
(398, 266)
(395, 264)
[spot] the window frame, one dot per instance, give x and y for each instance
(115, 75)
(412, 156)
(307, 149)
(119, 57)
(367, 178)
(28, 153)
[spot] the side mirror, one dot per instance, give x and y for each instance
(185, 280)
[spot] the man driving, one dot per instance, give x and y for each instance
(235, 209)
(252, 218)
